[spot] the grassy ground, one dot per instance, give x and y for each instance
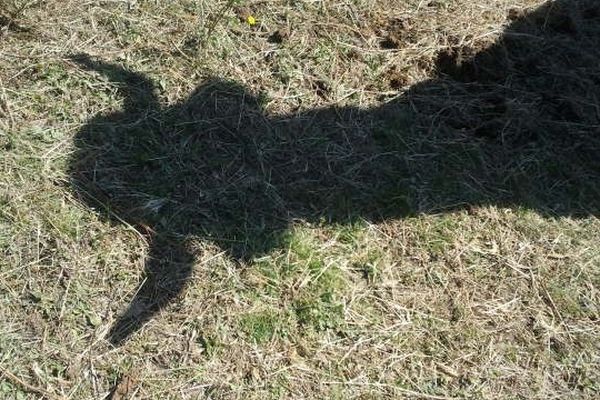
(355, 199)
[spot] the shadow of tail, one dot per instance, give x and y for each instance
(167, 270)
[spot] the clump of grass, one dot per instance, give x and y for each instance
(12, 12)
(264, 326)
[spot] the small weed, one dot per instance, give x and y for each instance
(320, 313)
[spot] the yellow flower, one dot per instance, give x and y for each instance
(251, 20)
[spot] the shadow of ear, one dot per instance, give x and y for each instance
(136, 88)
(167, 270)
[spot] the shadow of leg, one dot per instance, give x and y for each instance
(168, 268)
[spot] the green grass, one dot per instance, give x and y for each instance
(264, 326)
(354, 232)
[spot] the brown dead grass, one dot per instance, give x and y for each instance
(490, 301)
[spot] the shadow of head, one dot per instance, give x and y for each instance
(514, 125)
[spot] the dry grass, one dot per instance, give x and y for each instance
(427, 237)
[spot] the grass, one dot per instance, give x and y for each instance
(346, 207)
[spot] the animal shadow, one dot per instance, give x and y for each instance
(513, 125)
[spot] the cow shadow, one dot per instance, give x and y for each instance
(513, 125)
